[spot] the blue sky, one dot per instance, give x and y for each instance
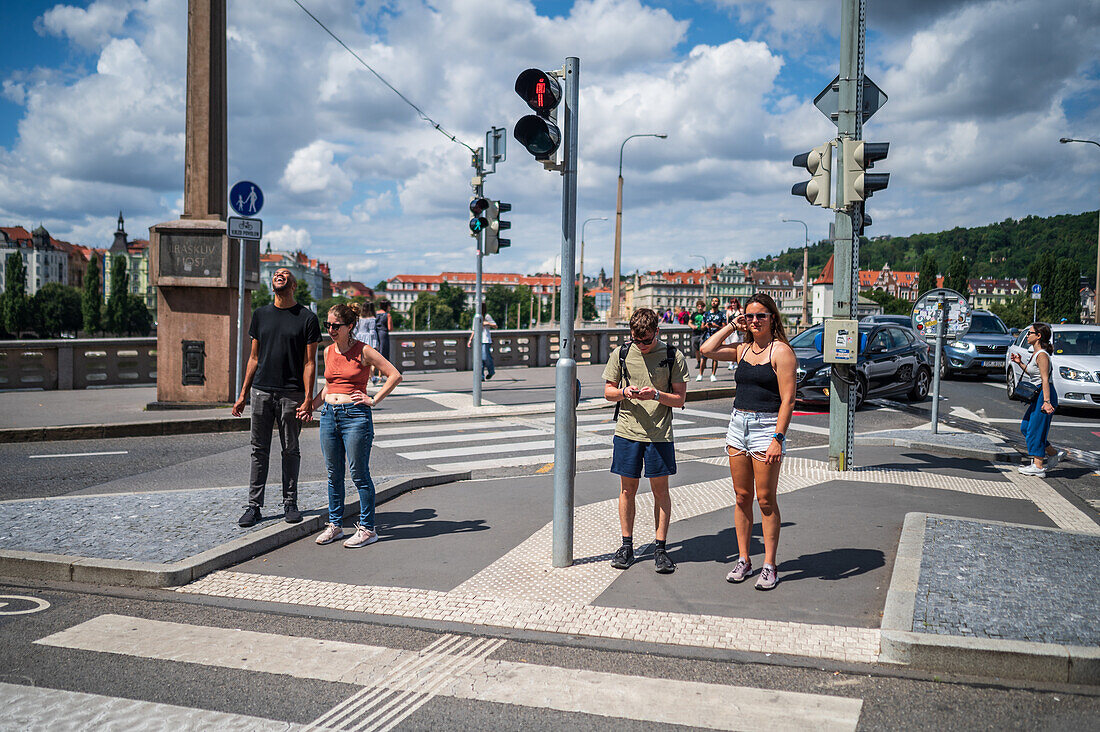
(91, 120)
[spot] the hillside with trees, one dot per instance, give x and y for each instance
(1002, 250)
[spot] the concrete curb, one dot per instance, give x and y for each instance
(1012, 659)
(243, 424)
(67, 568)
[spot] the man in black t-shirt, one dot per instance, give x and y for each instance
(281, 374)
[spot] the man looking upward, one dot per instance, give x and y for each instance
(281, 374)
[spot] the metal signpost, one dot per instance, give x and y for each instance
(246, 199)
(1036, 296)
(940, 315)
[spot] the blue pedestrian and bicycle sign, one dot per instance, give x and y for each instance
(1036, 292)
(246, 198)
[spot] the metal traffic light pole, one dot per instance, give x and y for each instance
(478, 185)
(565, 394)
(842, 404)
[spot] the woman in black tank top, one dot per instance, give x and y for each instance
(762, 410)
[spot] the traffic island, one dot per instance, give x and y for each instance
(994, 599)
(164, 538)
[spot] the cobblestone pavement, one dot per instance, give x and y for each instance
(161, 527)
(992, 580)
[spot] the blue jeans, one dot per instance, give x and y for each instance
(487, 359)
(347, 431)
(1036, 424)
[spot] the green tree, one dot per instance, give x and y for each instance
(429, 311)
(1041, 272)
(116, 318)
(1016, 313)
(91, 300)
(957, 277)
(455, 299)
(1064, 300)
(16, 305)
(56, 309)
(261, 296)
(302, 293)
(588, 308)
(323, 306)
(929, 270)
(136, 318)
(381, 286)
(890, 305)
(498, 301)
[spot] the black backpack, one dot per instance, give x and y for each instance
(669, 361)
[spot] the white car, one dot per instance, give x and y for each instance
(1075, 362)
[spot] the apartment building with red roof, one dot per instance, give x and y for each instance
(403, 290)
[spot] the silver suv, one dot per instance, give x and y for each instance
(983, 349)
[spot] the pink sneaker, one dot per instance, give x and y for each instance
(331, 533)
(362, 537)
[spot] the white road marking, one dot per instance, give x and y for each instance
(453, 426)
(509, 461)
(431, 438)
(458, 669)
(35, 707)
(80, 454)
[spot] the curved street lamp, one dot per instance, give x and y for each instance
(805, 273)
(1096, 291)
(613, 313)
(580, 288)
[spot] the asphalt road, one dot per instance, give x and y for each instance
(283, 687)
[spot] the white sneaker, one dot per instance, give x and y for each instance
(732, 366)
(713, 377)
(1032, 470)
(331, 533)
(699, 377)
(1055, 459)
(362, 537)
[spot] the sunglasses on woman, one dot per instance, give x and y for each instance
(757, 316)
(334, 326)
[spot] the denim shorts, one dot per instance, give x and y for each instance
(752, 432)
(628, 456)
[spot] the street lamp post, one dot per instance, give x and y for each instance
(1096, 291)
(705, 288)
(613, 313)
(805, 273)
(580, 289)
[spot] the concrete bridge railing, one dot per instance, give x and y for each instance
(82, 363)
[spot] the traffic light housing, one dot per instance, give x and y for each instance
(860, 156)
(819, 163)
(478, 222)
(493, 242)
(539, 132)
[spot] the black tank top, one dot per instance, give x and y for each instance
(757, 385)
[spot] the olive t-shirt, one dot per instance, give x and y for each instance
(646, 420)
(283, 334)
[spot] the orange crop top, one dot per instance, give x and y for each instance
(344, 372)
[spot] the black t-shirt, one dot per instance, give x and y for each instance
(283, 334)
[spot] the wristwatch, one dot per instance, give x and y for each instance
(779, 437)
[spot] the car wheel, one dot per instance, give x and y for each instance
(1010, 383)
(945, 372)
(919, 392)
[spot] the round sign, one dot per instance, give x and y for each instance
(931, 307)
(246, 198)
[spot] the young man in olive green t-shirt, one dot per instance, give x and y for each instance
(653, 385)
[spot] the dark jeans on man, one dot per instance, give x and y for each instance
(270, 408)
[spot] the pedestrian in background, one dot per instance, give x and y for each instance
(713, 320)
(487, 325)
(647, 378)
(1040, 410)
(696, 321)
(280, 374)
(383, 324)
(756, 439)
(733, 311)
(366, 330)
(347, 428)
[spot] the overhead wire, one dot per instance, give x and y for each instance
(420, 112)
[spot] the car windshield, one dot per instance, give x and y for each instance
(1077, 342)
(987, 324)
(805, 339)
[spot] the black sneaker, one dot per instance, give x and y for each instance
(623, 558)
(250, 517)
(661, 562)
(293, 515)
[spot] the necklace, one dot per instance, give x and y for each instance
(752, 347)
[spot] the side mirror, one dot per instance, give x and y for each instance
(1014, 332)
(819, 339)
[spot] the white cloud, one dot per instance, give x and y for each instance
(89, 27)
(288, 238)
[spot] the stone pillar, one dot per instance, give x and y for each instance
(192, 262)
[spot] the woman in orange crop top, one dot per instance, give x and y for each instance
(347, 429)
